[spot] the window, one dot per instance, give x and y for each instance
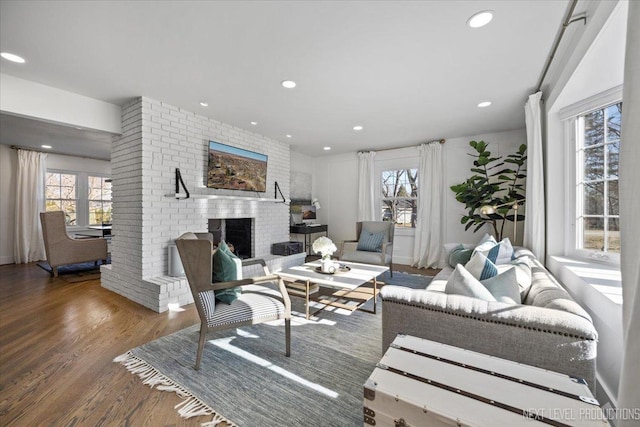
(60, 191)
(99, 200)
(597, 209)
(84, 199)
(399, 196)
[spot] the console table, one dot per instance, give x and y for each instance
(308, 231)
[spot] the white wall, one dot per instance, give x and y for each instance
(8, 166)
(601, 69)
(336, 185)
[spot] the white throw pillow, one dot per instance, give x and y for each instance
(461, 282)
(480, 267)
(498, 253)
(504, 287)
(522, 267)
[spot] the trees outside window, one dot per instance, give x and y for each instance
(598, 151)
(84, 199)
(99, 200)
(61, 195)
(399, 196)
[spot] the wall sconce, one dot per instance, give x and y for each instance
(315, 203)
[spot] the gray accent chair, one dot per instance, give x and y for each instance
(349, 251)
(263, 298)
(62, 249)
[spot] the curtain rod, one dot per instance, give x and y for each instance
(18, 147)
(441, 141)
(567, 21)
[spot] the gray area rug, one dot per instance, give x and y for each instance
(246, 380)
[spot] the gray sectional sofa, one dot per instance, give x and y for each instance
(548, 330)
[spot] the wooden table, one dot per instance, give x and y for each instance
(304, 278)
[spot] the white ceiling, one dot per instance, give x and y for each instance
(406, 71)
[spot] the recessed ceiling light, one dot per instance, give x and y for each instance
(289, 84)
(204, 104)
(13, 57)
(327, 148)
(484, 104)
(480, 19)
(358, 127)
(253, 123)
(46, 146)
(288, 136)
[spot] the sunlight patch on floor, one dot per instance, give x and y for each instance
(225, 344)
(174, 306)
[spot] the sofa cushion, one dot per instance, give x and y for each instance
(366, 257)
(480, 267)
(370, 242)
(462, 282)
(498, 253)
(459, 255)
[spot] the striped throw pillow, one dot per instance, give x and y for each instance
(480, 267)
(498, 253)
(370, 242)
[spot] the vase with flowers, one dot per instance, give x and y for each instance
(325, 247)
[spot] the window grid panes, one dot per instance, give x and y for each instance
(598, 140)
(99, 200)
(399, 197)
(61, 195)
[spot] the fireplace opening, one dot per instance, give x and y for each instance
(236, 232)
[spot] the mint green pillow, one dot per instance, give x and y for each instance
(459, 255)
(225, 270)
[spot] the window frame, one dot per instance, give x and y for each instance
(65, 172)
(82, 195)
(573, 173)
(101, 200)
(387, 165)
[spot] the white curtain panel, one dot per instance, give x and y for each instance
(366, 187)
(30, 181)
(534, 208)
(629, 391)
(427, 245)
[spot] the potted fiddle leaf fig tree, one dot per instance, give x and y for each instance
(495, 189)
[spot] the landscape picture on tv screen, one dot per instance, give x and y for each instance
(234, 168)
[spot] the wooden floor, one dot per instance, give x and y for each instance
(57, 345)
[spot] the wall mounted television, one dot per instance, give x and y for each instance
(232, 168)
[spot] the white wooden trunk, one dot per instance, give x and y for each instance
(432, 389)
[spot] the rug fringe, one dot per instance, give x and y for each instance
(190, 406)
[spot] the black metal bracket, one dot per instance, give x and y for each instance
(180, 182)
(277, 190)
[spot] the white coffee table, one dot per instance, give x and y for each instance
(345, 281)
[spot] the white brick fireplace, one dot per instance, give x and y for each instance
(158, 138)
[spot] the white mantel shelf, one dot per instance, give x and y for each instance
(223, 197)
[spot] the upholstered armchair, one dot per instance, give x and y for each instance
(373, 244)
(62, 249)
(262, 299)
